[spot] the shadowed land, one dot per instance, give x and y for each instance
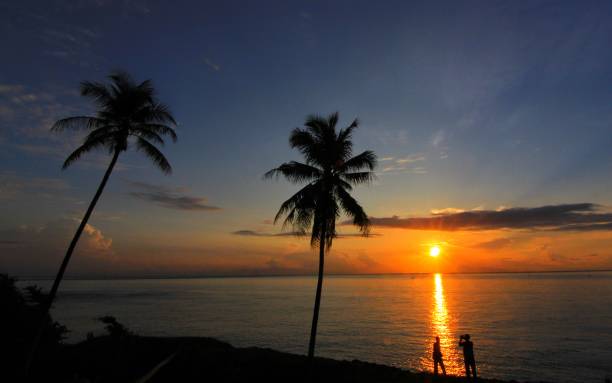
(130, 358)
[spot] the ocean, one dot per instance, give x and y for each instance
(554, 327)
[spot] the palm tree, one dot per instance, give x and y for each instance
(127, 114)
(330, 174)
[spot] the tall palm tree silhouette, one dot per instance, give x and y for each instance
(128, 114)
(330, 173)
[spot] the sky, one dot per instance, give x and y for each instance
(491, 120)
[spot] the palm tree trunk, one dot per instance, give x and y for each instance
(315, 316)
(60, 274)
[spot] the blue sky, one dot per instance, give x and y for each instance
(472, 104)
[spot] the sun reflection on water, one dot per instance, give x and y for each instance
(440, 325)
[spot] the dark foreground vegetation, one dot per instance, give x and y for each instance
(139, 359)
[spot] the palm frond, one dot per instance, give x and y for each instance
(299, 208)
(146, 87)
(98, 92)
(308, 144)
(154, 154)
(162, 130)
(346, 133)
(77, 123)
(358, 177)
(353, 210)
(332, 120)
(149, 135)
(159, 113)
(122, 82)
(86, 147)
(316, 124)
(365, 160)
(344, 143)
(295, 172)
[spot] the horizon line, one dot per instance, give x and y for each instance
(288, 275)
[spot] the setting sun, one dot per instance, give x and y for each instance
(434, 251)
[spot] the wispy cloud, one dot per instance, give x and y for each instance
(171, 198)
(410, 159)
(10, 88)
(211, 64)
(28, 112)
(446, 210)
(437, 140)
(405, 164)
(565, 217)
(12, 185)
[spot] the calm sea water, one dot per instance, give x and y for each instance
(550, 326)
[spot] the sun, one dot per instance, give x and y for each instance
(434, 251)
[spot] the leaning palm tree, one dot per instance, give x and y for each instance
(330, 172)
(127, 114)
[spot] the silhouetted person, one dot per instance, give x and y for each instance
(468, 355)
(437, 357)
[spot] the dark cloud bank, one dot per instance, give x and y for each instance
(252, 233)
(171, 198)
(565, 217)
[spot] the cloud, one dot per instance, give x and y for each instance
(26, 116)
(446, 210)
(212, 65)
(171, 198)
(252, 233)
(410, 159)
(29, 113)
(38, 250)
(12, 185)
(438, 138)
(11, 88)
(305, 15)
(42, 150)
(304, 262)
(97, 239)
(495, 244)
(587, 227)
(395, 165)
(566, 217)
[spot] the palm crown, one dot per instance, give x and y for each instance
(330, 172)
(126, 109)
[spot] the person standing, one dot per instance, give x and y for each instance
(437, 357)
(468, 355)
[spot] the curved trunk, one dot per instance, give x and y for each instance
(315, 316)
(60, 274)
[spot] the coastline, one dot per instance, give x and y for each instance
(174, 359)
